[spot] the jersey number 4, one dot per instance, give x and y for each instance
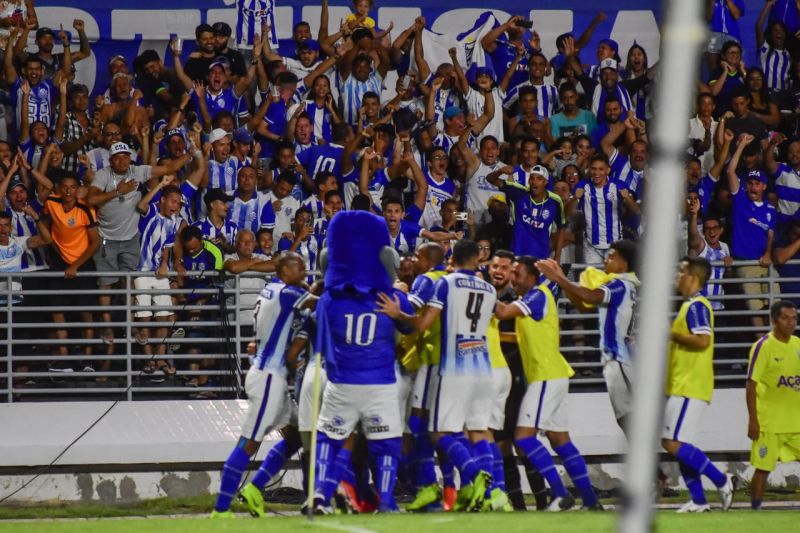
(361, 329)
(474, 310)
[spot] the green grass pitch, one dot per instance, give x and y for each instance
(734, 521)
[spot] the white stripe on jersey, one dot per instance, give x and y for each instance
(23, 226)
(546, 98)
(222, 175)
(616, 318)
(273, 323)
(601, 211)
(351, 92)
(158, 233)
(250, 16)
(621, 93)
(247, 215)
(717, 271)
(776, 65)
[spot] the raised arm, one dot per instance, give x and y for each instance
(421, 195)
(266, 47)
(8, 59)
(512, 69)
(489, 41)
(733, 178)
(578, 295)
(470, 158)
(614, 133)
(419, 53)
(696, 243)
(66, 65)
(178, 67)
(586, 36)
(487, 116)
(58, 132)
(143, 206)
(241, 86)
(461, 80)
(85, 50)
(721, 155)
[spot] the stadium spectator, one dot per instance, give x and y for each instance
(245, 260)
(787, 251)
(722, 17)
(216, 226)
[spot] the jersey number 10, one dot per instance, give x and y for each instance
(360, 331)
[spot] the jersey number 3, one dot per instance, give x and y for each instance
(474, 310)
(360, 331)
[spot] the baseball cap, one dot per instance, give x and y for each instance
(16, 182)
(496, 198)
(542, 171)
(219, 62)
(609, 63)
(222, 28)
(41, 32)
(308, 44)
(756, 174)
(119, 148)
(611, 43)
(217, 194)
(117, 58)
(173, 132)
(452, 111)
(242, 135)
(217, 134)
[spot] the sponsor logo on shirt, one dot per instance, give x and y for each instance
(760, 224)
(793, 382)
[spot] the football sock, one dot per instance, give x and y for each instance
(693, 483)
(460, 457)
(484, 458)
(755, 505)
(231, 477)
(384, 453)
(273, 463)
(497, 471)
(328, 465)
(701, 464)
(540, 458)
(575, 466)
(424, 466)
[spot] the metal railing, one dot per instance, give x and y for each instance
(210, 358)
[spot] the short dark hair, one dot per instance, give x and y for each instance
(339, 131)
(32, 58)
(491, 138)
(599, 157)
(322, 177)
(190, 232)
(303, 211)
(262, 231)
(778, 307)
(433, 149)
(5, 215)
(698, 266)
(505, 254)
(361, 202)
(627, 249)
(740, 92)
(330, 194)
(728, 45)
(170, 189)
(526, 90)
(371, 94)
(201, 29)
(288, 176)
(389, 199)
(221, 115)
(529, 262)
(566, 86)
(465, 250)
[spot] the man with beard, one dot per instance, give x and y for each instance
(478, 189)
(222, 37)
(160, 85)
(200, 60)
(572, 120)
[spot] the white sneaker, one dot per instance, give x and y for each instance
(691, 507)
(727, 491)
(560, 504)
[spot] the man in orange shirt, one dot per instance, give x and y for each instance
(73, 228)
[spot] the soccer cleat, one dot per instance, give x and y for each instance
(497, 501)
(727, 491)
(221, 514)
(449, 497)
(347, 493)
(596, 507)
(482, 480)
(425, 496)
(387, 508)
(251, 496)
(321, 507)
(560, 503)
(691, 507)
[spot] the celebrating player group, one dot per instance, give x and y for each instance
(464, 368)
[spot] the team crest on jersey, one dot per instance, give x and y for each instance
(762, 451)
(42, 92)
(338, 421)
(610, 196)
(546, 213)
(375, 420)
(70, 222)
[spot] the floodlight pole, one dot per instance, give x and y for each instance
(682, 33)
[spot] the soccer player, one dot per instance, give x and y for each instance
(544, 405)
(266, 384)
(359, 349)
(690, 383)
(616, 300)
(465, 392)
(773, 402)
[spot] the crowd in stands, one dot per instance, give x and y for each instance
(229, 157)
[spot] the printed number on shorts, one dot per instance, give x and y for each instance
(361, 329)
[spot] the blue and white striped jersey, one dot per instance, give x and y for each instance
(406, 239)
(225, 100)
(787, 187)
(777, 67)
(40, 102)
(351, 92)
(227, 231)
(621, 169)
(222, 175)
(717, 272)
(308, 250)
(315, 205)
(253, 214)
(189, 194)
(599, 101)
(321, 120)
(547, 103)
(467, 303)
(602, 214)
(275, 309)
(438, 193)
(23, 226)
(157, 233)
(616, 318)
(448, 142)
(250, 18)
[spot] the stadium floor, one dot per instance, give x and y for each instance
(667, 520)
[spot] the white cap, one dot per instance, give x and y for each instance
(217, 134)
(120, 148)
(609, 63)
(542, 171)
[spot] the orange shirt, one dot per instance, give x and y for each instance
(69, 229)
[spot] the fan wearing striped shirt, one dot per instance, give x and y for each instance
(361, 69)
(772, 53)
(709, 246)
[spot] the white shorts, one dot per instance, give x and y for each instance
(461, 402)
(305, 407)
(374, 406)
(618, 382)
(501, 378)
(147, 283)
(593, 256)
(405, 382)
(682, 418)
(425, 384)
(268, 403)
(544, 406)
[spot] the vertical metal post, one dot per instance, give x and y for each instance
(682, 33)
(128, 333)
(9, 339)
(238, 338)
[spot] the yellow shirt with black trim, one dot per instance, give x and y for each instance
(775, 367)
(690, 373)
(538, 336)
(423, 347)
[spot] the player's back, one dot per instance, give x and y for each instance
(691, 372)
(616, 317)
(357, 342)
(274, 313)
(467, 304)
